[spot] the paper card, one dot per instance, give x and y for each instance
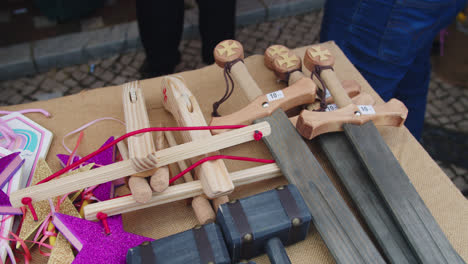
(12, 185)
(275, 95)
(33, 141)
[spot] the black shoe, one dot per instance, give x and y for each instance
(147, 72)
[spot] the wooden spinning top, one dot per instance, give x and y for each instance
(227, 51)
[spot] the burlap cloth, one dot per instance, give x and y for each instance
(445, 202)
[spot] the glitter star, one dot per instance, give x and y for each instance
(104, 191)
(93, 244)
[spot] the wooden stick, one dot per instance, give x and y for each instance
(184, 107)
(139, 186)
(124, 168)
(201, 206)
(229, 50)
(178, 192)
(136, 117)
(159, 181)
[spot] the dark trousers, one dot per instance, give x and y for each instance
(161, 26)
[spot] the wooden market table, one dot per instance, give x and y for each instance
(443, 199)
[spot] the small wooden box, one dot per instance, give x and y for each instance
(183, 248)
(267, 215)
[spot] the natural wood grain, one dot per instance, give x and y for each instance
(311, 124)
(121, 169)
(179, 192)
(179, 101)
(335, 222)
(302, 92)
(159, 181)
(319, 55)
(201, 206)
(360, 99)
(429, 243)
(136, 117)
(139, 186)
(228, 51)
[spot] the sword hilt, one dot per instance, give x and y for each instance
(230, 53)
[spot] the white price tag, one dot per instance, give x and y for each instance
(366, 109)
(275, 96)
(331, 107)
(327, 94)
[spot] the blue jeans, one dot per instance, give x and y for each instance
(389, 42)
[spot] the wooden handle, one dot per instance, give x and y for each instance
(138, 186)
(276, 252)
(311, 124)
(300, 93)
(352, 88)
(159, 181)
(228, 51)
(178, 192)
(282, 62)
(360, 99)
(136, 117)
(184, 107)
(201, 206)
(127, 167)
(320, 55)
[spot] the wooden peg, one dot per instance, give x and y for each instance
(179, 101)
(201, 206)
(302, 92)
(159, 181)
(179, 192)
(138, 186)
(229, 50)
(136, 117)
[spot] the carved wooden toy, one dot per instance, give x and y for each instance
(335, 222)
(363, 192)
(427, 241)
(263, 223)
(128, 167)
(200, 204)
(230, 53)
(178, 192)
(200, 245)
(302, 92)
(179, 101)
(310, 124)
(141, 146)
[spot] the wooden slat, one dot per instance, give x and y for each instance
(340, 230)
(366, 197)
(124, 168)
(406, 206)
(178, 192)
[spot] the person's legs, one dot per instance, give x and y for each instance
(412, 91)
(160, 24)
(217, 21)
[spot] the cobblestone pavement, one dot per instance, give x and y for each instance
(446, 129)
